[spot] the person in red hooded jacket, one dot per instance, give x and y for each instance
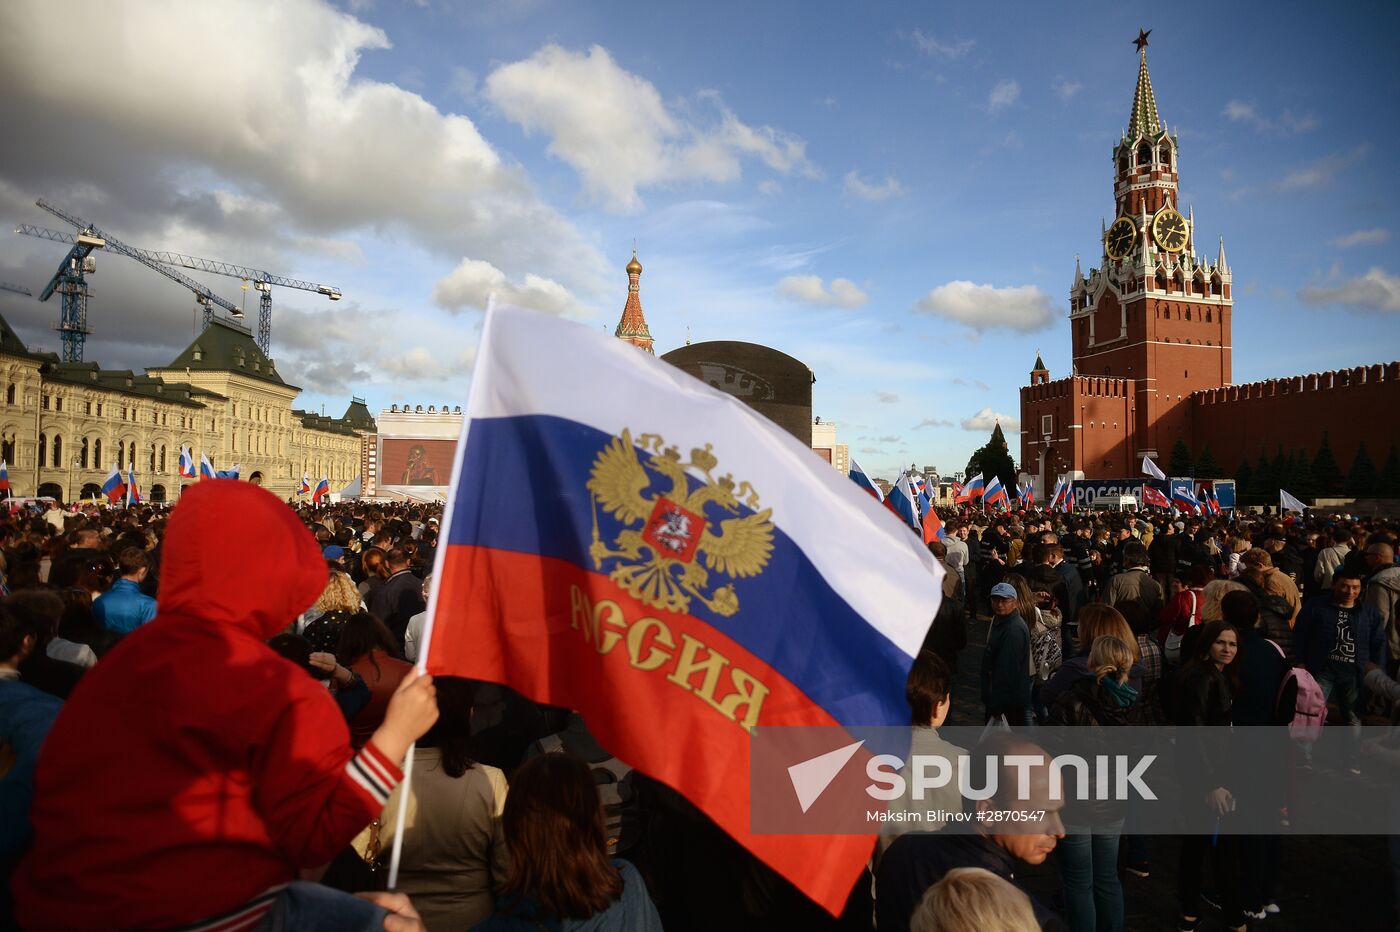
(194, 773)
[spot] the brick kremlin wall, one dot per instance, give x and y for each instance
(1235, 422)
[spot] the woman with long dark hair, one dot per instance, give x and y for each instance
(560, 875)
(370, 650)
(454, 850)
(1204, 693)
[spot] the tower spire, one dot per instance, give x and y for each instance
(1144, 120)
(633, 325)
(1220, 265)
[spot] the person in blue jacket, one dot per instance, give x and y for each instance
(25, 716)
(124, 607)
(1339, 640)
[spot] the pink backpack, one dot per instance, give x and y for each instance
(1310, 707)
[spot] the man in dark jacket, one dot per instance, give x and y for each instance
(1006, 679)
(1339, 640)
(1135, 582)
(401, 596)
(917, 861)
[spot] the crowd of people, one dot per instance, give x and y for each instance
(204, 712)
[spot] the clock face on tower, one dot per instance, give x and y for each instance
(1120, 238)
(1169, 230)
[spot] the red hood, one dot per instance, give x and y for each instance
(234, 554)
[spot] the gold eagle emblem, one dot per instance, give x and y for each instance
(668, 534)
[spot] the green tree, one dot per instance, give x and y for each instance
(1244, 481)
(1206, 466)
(1388, 485)
(1326, 474)
(994, 459)
(1361, 480)
(1179, 464)
(1302, 485)
(1264, 479)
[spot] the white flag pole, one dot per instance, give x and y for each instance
(396, 852)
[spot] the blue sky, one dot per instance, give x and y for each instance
(894, 193)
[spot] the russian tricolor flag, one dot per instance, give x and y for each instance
(973, 490)
(186, 463)
(664, 573)
(902, 500)
(323, 489)
(114, 488)
(995, 493)
(1185, 500)
(933, 526)
(861, 478)
(4, 476)
(133, 491)
(206, 467)
(305, 486)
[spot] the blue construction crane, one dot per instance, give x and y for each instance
(70, 281)
(17, 289)
(261, 280)
(73, 347)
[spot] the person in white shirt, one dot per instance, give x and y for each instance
(413, 634)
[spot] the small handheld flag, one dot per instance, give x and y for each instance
(933, 526)
(861, 478)
(1287, 502)
(1151, 495)
(323, 489)
(903, 502)
(4, 476)
(974, 489)
(995, 493)
(114, 488)
(305, 487)
(1185, 499)
(186, 463)
(133, 492)
(1150, 468)
(206, 467)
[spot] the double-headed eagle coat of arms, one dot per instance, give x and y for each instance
(660, 562)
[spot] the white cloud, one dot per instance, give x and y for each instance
(1065, 88)
(872, 191)
(1325, 170)
(1004, 94)
(473, 281)
(1288, 123)
(1377, 290)
(986, 419)
(933, 422)
(887, 398)
(809, 289)
(427, 365)
(288, 122)
(613, 128)
(986, 307)
(1370, 237)
(940, 48)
